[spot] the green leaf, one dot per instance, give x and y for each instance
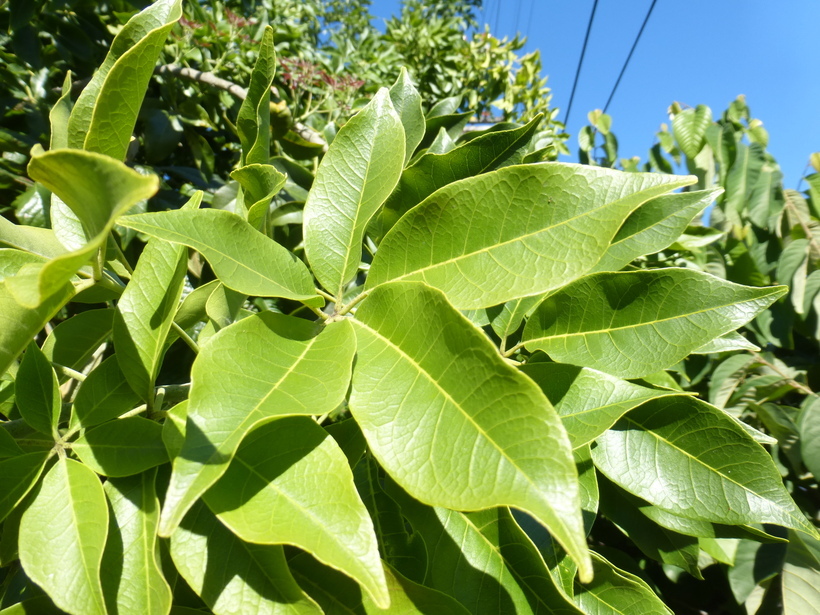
(753, 565)
(32, 239)
(19, 324)
(741, 179)
(631, 324)
(616, 592)
(62, 536)
(726, 343)
(336, 593)
(229, 574)
(265, 366)
(808, 424)
(801, 575)
(655, 541)
(41, 605)
(588, 401)
(440, 145)
(73, 342)
(104, 115)
(123, 447)
(243, 258)
(654, 226)
(260, 183)
(657, 452)
(104, 395)
(253, 121)
(535, 228)
(131, 576)
(8, 446)
(689, 127)
(146, 310)
(588, 482)
(435, 170)
(38, 391)
(173, 429)
(423, 370)
(407, 103)
(19, 474)
(512, 314)
(356, 175)
(290, 483)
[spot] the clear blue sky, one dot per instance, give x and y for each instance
(692, 51)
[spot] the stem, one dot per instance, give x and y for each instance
(134, 412)
(327, 296)
(67, 371)
(786, 378)
(803, 224)
(317, 311)
(346, 308)
(185, 337)
(513, 350)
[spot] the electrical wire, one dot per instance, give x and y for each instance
(581, 60)
(529, 21)
(629, 57)
(517, 16)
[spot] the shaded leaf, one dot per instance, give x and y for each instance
(19, 473)
(37, 391)
(104, 395)
(72, 342)
(122, 447)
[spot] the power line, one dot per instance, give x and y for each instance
(629, 57)
(581, 60)
(517, 16)
(529, 21)
(497, 14)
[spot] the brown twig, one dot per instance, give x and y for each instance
(788, 379)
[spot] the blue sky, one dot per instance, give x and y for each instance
(692, 51)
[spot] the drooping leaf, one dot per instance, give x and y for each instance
(290, 483)
(535, 228)
(104, 115)
(657, 453)
(435, 169)
(336, 593)
(253, 121)
(30, 238)
(233, 576)
(146, 310)
(356, 175)
(423, 370)
(654, 226)
(631, 324)
(588, 401)
(262, 367)
(801, 575)
(132, 580)
(19, 473)
(613, 591)
(38, 392)
(123, 447)
(62, 536)
(689, 127)
(105, 394)
(243, 258)
(407, 103)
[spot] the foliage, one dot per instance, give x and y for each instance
(757, 232)
(418, 380)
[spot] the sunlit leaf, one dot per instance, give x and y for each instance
(123, 447)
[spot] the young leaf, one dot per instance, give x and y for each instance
(262, 367)
(434, 170)
(588, 401)
(131, 577)
(656, 453)
(424, 371)
(233, 576)
(260, 183)
(356, 175)
(615, 592)
(336, 593)
(631, 324)
(123, 447)
(654, 226)
(38, 391)
(534, 228)
(290, 483)
(19, 473)
(689, 127)
(407, 103)
(62, 536)
(243, 258)
(104, 395)
(104, 115)
(146, 310)
(253, 121)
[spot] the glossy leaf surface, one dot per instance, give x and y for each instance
(37, 391)
(616, 592)
(243, 258)
(290, 483)
(356, 175)
(658, 453)
(428, 387)
(122, 447)
(632, 324)
(407, 103)
(262, 367)
(233, 576)
(534, 228)
(62, 536)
